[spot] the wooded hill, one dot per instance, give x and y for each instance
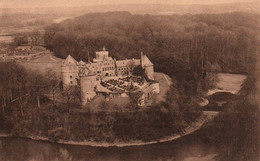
(174, 43)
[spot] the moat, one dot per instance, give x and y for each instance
(192, 146)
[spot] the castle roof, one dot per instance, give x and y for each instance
(81, 63)
(70, 61)
(127, 61)
(85, 71)
(146, 61)
(94, 66)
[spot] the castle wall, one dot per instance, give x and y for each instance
(148, 93)
(69, 75)
(123, 71)
(155, 88)
(103, 66)
(87, 84)
(108, 67)
(149, 72)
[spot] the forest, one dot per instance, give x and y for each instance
(29, 107)
(235, 131)
(186, 47)
(217, 42)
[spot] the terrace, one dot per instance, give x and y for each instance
(125, 84)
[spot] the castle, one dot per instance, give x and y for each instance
(109, 77)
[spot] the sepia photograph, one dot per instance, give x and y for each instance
(129, 80)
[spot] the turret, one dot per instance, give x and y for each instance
(69, 71)
(87, 85)
(101, 55)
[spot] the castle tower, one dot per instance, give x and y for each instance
(147, 65)
(87, 85)
(101, 55)
(69, 71)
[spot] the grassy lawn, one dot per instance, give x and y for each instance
(44, 62)
(228, 83)
(164, 84)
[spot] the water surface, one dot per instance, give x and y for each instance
(19, 149)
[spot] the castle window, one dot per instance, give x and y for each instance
(71, 77)
(71, 82)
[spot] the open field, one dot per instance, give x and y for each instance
(44, 62)
(164, 83)
(228, 83)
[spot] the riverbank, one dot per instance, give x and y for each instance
(204, 118)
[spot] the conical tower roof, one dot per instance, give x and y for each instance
(145, 61)
(70, 61)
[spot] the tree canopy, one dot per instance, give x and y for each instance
(173, 43)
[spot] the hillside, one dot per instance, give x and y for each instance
(225, 42)
(41, 64)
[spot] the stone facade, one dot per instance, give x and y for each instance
(88, 84)
(148, 91)
(89, 75)
(69, 71)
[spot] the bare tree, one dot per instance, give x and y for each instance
(20, 39)
(52, 82)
